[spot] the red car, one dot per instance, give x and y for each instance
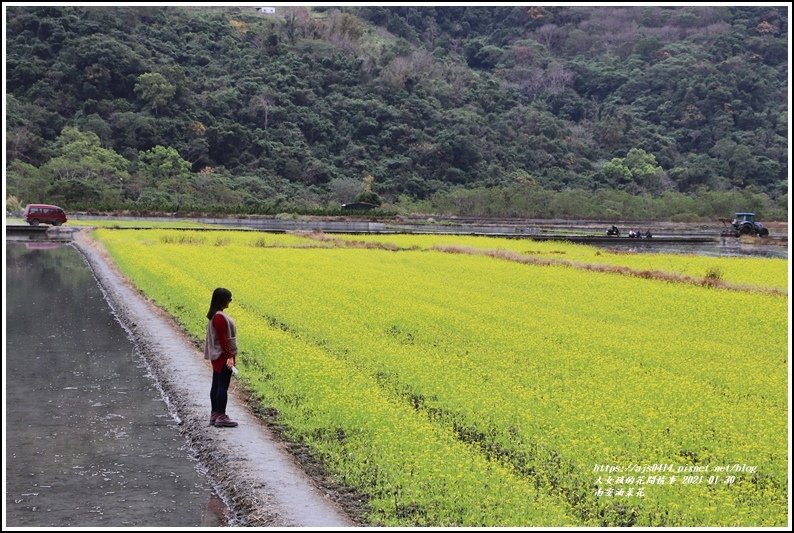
(43, 213)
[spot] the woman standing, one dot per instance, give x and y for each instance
(220, 348)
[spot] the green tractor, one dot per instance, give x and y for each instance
(744, 224)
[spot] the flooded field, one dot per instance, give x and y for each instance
(90, 441)
(730, 247)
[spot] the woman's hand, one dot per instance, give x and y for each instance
(230, 363)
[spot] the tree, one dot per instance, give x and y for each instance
(82, 170)
(616, 171)
(164, 169)
(641, 164)
(343, 189)
(694, 171)
(26, 182)
(154, 89)
(290, 23)
(367, 195)
(79, 155)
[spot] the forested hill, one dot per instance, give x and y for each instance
(306, 108)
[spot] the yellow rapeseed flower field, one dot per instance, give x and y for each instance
(466, 390)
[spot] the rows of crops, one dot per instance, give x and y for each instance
(466, 390)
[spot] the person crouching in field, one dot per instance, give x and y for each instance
(220, 347)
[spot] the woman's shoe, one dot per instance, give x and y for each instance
(223, 421)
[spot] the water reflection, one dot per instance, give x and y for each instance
(44, 245)
(214, 514)
(89, 440)
(724, 248)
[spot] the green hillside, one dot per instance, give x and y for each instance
(599, 111)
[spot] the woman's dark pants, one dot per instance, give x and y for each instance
(219, 393)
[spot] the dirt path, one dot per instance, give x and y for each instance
(264, 483)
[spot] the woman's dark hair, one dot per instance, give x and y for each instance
(220, 297)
